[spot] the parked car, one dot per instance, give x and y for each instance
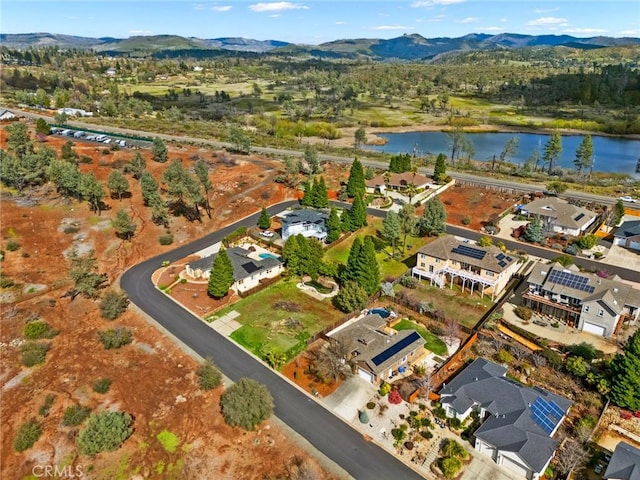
(267, 234)
(626, 198)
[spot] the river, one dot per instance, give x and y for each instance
(611, 154)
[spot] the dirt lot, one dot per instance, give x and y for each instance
(475, 204)
(152, 378)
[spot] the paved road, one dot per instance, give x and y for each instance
(517, 186)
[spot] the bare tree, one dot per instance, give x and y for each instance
(451, 330)
(538, 360)
(570, 457)
(426, 384)
(331, 362)
(582, 432)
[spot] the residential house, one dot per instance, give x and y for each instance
(110, 72)
(627, 235)
(624, 463)
(198, 68)
(6, 115)
(582, 300)
(250, 266)
(487, 269)
(559, 216)
(75, 112)
(306, 222)
(517, 422)
(397, 181)
(378, 351)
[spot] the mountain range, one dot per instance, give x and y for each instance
(405, 47)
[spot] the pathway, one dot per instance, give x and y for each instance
(226, 324)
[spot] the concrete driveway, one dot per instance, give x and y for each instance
(483, 468)
(349, 397)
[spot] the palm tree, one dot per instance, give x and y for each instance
(387, 179)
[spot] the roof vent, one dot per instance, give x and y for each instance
(615, 289)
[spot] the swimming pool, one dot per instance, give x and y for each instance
(383, 312)
(268, 255)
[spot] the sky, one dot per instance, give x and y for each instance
(314, 22)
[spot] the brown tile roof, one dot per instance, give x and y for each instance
(399, 180)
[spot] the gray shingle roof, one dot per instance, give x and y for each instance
(448, 248)
(304, 215)
(624, 464)
(565, 214)
(511, 425)
(628, 229)
(243, 265)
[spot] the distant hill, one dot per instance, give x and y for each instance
(406, 47)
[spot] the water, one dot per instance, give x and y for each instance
(612, 154)
(267, 255)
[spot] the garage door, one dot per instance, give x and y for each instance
(591, 328)
(365, 375)
(515, 467)
(634, 245)
(618, 241)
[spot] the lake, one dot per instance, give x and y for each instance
(612, 154)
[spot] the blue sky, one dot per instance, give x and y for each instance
(315, 22)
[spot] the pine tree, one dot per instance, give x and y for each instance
(334, 229)
(408, 222)
(356, 185)
(311, 255)
(440, 168)
(291, 255)
(322, 196)
(307, 196)
(117, 184)
(625, 381)
(584, 154)
(137, 165)
(221, 277)
(552, 150)
(123, 225)
(391, 229)
(90, 189)
(358, 214)
(264, 221)
(368, 275)
(345, 221)
(149, 187)
(434, 218)
(350, 271)
(533, 232)
(159, 150)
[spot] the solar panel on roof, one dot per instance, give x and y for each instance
(579, 217)
(544, 414)
(250, 267)
(500, 256)
(468, 251)
(502, 263)
(393, 349)
(571, 280)
(555, 409)
(509, 259)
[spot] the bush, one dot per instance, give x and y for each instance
(371, 405)
(564, 260)
(166, 239)
(503, 356)
(571, 249)
(209, 377)
(246, 404)
(466, 220)
(46, 406)
(113, 304)
(115, 337)
(384, 389)
(426, 434)
(394, 397)
(75, 415)
(409, 281)
(105, 432)
(12, 245)
(27, 435)
(363, 417)
(37, 329)
(450, 466)
(102, 385)
(523, 312)
(33, 353)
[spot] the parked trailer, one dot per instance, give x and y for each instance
(101, 138)
(78, 134)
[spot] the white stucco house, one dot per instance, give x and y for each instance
(306, 222)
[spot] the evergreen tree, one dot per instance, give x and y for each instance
(42, 127)
(149, 187)
(356, 185)
(291, 255)
(90, 189)
(552, 150)
(345, 221)
(138, 165)
(351, 297)
(368, 275)
(307, 196)
(625, 380)
(358, 214)
(311, 157)
(202, 172)
(159, 211)
(359, 137)
(264, 221)
(350, 272)
(408, 222)
(434, 218)
(159, 150)
(391, 229)
(440, 168)
(400, 163)
(67, 152)
(123, 225)
(311, 254)
(221, 277)
(534, 232)
(321, 196)
(584, 154)
(334, 229)
(18, 140)
(117, 184)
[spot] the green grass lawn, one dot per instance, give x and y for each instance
(433, 343)
(280, 318)
(389, 267)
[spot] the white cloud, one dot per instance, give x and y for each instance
(221, 8)
(275, 15)
(276, 6)
(491, 29)
(391, 27)
(548, 21)
(339, 22)
(630, 32)
(468, 20)
(584, 30)
(546, 10)
(433, 3)
(140, 32)
(199, 6)
(503, 20)
(437, 18)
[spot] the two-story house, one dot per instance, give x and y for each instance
(582, 300)
(518, 422)
(306, 222)
(448, 259)
(559, 216)
(624, 463)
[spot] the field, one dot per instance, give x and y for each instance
(433, 343)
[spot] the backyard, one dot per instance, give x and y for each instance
(433, 343)
(280, 319)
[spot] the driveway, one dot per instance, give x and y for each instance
(483, 468)
(350, 397)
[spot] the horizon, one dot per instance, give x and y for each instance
(316, 22)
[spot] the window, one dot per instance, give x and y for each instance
(601, 313)
(489, 273)
(422, 264)
(437, 260)
(586, 309)
(430, 268)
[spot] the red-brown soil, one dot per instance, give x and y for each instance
(297, 371)
(475, 203)
(153, 379)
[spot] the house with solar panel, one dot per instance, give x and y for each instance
(377, 351)
(517, 422)
(448, 260)
(251, 265)
(559, 216)
(624, 463)
(582, 300)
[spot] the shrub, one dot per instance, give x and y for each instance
(6, 282)
(363, 417)
(46, 406)
(246, 404)
(564, 260)
(37, 329)
(75, 415)
(466, 220)
(33, 353)
(113, 304)
(168, 440)
(523, 312)
(426, 434)
(450, 466)
(105, 432)
(27, 435)
(384, 389)
(209, 377)
(394, 397)
(115, 337)
(371, 405)
(166, 239)
(12, 245)
(102, 385)
(409, 281)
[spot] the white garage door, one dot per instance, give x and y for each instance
(618, 241)
(591, 328)
(634, 245)
(515, 467)
(366, 375)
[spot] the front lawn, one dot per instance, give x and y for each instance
(433, 343)
(280, 318)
